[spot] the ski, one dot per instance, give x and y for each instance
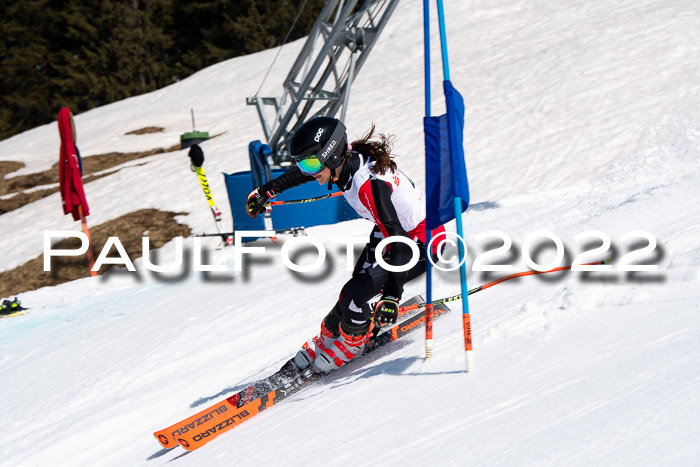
(16, 313)
(167, 437)
(9, 308)
(197, 430)
(197, 158)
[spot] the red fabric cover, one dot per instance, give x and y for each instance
(69, 169)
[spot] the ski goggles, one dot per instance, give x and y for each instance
(310, 165)
(314, 163)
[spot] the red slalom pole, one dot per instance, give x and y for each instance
(454, 298)
(428, 330)
(90, 253)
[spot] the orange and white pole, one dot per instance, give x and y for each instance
(466, 318)
(86, 231)
(429, 295)
(428, 330)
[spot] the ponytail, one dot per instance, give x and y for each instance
(378, 151)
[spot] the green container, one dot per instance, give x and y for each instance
(192, 137)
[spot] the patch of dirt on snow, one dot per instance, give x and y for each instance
(7, 167)
(91, 165)
(146, 130)
(159, 226)
(22, 198)
(25, 197)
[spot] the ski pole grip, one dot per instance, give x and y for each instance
(196, 156)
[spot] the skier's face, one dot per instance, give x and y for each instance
(323, 176)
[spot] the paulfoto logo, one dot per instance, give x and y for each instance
(593, 259)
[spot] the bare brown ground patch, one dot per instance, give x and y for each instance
(159, 226)
(91, 165)
(101, 162)
(22, 198)
(146, 130)
(7, 167)
(26, 197)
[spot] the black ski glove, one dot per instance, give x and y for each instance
(386, 309)
(257, 199)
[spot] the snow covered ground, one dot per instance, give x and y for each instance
(580, 116)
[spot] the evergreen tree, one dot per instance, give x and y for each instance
(24, 66)
(87, 53)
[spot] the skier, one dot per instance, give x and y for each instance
(372, 184)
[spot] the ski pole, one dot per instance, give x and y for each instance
(454, 298)
(307, 200)
(293, 231)
(196, 156)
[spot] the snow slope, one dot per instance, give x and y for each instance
(581, 116)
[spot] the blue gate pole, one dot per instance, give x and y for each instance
(428, 233)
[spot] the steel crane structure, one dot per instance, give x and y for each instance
(319, 82)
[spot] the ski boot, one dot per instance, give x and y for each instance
(9, 307)
(310, 350)
(329, 351)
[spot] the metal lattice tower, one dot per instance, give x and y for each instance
(320, 79)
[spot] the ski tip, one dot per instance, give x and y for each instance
(187, 446)
(165, 441)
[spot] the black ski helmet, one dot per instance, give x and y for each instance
(323, 137)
